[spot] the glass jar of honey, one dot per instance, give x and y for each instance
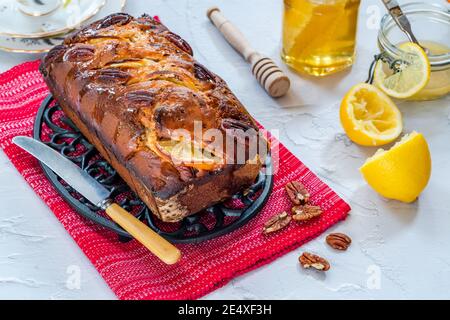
(319, 35)
(431, 25)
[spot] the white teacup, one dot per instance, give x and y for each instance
(37, 8)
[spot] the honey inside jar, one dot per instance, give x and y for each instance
(439, 84)
(319, 35)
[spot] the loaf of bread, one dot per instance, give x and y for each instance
(129, 84)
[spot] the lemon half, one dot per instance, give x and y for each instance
(402, 172)
(369, 117)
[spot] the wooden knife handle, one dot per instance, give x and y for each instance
(159, 246)
(234, 37)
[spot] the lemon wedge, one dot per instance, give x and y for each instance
(413, 75)
(402, 172)
(369, 117)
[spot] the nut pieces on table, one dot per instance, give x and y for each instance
(302, 211)
(338, 241)
(309, 260)
(306, 212)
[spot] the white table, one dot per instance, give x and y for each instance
(399, 250)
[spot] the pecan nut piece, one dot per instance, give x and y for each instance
(233, 124)
(309, 260)
(277, 222)
(202, 73)
(306, 212)
(140, 97)
(338, 241)
(119, 19)
(179, 42)
(80, 53)
(113, 76)
(55, 53)
(297, 192)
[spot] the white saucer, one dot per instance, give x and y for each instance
(32, 45)
(44, 18)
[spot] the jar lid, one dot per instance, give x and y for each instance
(430, 24)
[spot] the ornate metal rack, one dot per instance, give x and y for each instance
(57, 131)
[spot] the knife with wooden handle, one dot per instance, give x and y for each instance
(92, 190)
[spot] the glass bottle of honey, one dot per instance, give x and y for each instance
(319, 35)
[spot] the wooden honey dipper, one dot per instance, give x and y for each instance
(271, 78)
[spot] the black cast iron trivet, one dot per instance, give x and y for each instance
(57, 131)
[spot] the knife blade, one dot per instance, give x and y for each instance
(79, 179)
(96, 193)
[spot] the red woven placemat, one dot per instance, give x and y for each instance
(128, 268)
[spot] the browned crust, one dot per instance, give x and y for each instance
(121, 79)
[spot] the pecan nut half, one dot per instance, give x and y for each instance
(338, 241)
(306, 212)
(119, 19)
(55, 53)
(297, 192)
(277, 222)
(80, 53)
(309, 260)
(179, 42)
(140, 97)
(233, 124)
(113, 76)
(202, 73)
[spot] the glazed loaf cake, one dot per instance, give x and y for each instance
(129, 84)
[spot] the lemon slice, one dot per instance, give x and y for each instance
(413, 76)
(402, 172)
(190, 154)
(369, 117)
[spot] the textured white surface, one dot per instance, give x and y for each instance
(406, 244)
